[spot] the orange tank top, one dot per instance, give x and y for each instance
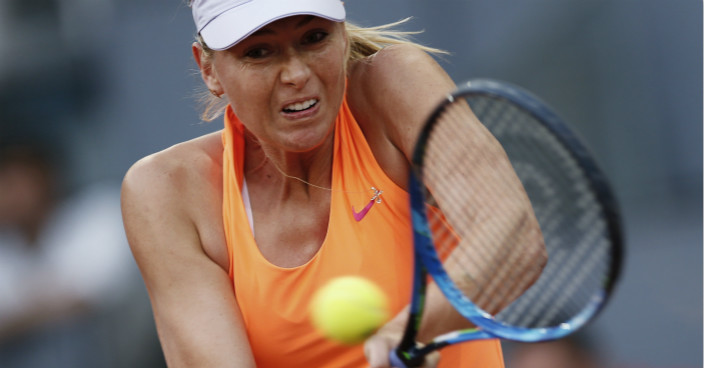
(376, 244)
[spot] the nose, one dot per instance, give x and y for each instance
(295, 71)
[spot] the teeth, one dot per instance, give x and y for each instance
(301, 105)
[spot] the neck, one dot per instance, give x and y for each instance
(291, 171)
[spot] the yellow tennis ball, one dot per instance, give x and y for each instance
(349, 309)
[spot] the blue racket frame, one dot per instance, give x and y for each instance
(428, 262)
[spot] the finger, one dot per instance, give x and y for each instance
(376, 350)
(432, 360)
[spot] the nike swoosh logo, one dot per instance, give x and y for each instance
(358, 216)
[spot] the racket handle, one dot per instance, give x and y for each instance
(399, 359)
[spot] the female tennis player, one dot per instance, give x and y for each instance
(235, 230)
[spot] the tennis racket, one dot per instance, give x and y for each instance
(571, 200)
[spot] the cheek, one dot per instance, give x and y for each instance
(335, 62)
(246, 91)
(237, 80)
(332, 71)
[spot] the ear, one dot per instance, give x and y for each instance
(206, 69)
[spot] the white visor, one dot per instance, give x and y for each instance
(223, 23)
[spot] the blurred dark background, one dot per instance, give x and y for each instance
(107, 82)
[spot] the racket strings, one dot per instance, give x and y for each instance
(483, 255)
(470, 261)
(463, 178)
(569, 215)
(561, 293)
(547, 300)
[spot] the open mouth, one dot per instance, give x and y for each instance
(300, 106)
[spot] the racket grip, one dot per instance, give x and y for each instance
(399, 359)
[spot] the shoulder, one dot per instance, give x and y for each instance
(393, 91)
(391, 57)
(395, 71)
(171, 201)
(177, 165)
(170, 180)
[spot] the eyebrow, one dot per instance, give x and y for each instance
(305, 21)
(265, 30)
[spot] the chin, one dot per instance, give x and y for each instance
(310, 139)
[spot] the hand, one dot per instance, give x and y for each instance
(378, 347)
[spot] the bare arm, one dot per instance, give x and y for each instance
(402, 85)
(197, 318)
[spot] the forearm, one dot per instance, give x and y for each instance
(204, 332)
(514, 260)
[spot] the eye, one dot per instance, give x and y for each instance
(314, 37)
(257, 52)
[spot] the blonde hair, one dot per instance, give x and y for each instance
(364, 42)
